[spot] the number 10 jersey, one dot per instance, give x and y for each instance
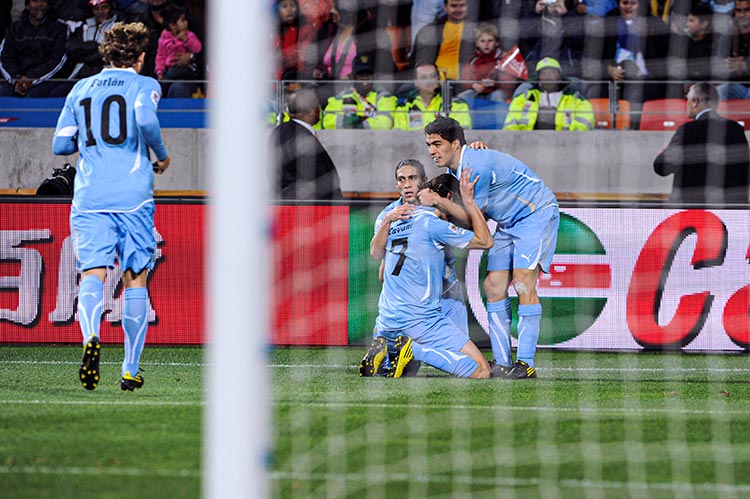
(110, 118)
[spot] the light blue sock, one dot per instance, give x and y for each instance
(500, 318)
(90, 298)
(135, 325)
(454, 363)
(529, 318)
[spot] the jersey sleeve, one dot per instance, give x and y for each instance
(65, 139)
(146, 104)
(448, 233)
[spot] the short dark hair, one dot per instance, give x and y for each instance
(172, 15)
(448, 128)
(444, 184)
(413, 162)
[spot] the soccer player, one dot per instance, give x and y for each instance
(411, 241)
(527, 217)
(410, 178)
(110, 119)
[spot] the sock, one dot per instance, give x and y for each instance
(529, 318)
(500, 318)
(90, 298)
(135, 324)
(454, 363)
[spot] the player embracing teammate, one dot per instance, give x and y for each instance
(527, 215)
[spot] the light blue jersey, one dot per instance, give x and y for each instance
(452, 288)
(508, 190)
(110, 118)
(414, 269)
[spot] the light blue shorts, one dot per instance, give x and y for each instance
(455, 310)
(99, 238)
(528, 243)
(439, 333)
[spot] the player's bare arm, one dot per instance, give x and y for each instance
(379, 240)
(482, 237)
(456, 213)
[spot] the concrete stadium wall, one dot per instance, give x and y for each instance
(597, 162)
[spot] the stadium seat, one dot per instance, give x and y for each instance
(604, 118)
(737, 110)
(663, 114)
(487, 114)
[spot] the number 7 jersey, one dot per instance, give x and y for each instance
(110, 119)
(414, 268)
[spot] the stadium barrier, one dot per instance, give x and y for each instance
(642, 277)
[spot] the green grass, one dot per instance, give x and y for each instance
(592, 425)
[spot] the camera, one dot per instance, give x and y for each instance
(549, 3)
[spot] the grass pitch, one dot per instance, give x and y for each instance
(592, 425)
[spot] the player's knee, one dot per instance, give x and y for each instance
(521, 288)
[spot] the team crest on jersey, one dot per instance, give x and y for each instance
(155, 97)
(455, 228)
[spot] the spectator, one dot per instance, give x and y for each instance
(424, 103)
(373, 39)
(630, 50)
(550, 105)
(448, 43)
(334, 51)
(738, 62)
(82, 48)
(361, 106)
(695, 51)
(292, 37)
(709, 157)
(153, 18)
(32, 52)
(557, 32)
(480, 76)
(424, 12)
(174, 41)
(130, 10)
(304, 170)
(71, 12)
(316, 12)
(599, 8)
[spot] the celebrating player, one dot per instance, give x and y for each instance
(110, 118)
(410, 178)
(527, 217)
(411, 241)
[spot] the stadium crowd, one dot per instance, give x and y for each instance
(470, 59)
(487, 53)
(51, 44)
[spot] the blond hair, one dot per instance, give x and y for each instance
(487, 29)
(123, 44)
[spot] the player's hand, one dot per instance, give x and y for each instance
(466, 185)
(402, 212)
(161, 166)
(478, 144)
(428, 197)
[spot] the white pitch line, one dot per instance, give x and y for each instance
(380, 478)
(587, 411)
(354, 366)
(94, 471)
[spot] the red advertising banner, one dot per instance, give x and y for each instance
(39, 282)
(311, 275)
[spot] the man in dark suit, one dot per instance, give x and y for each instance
(304, 170)
(709, 156)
